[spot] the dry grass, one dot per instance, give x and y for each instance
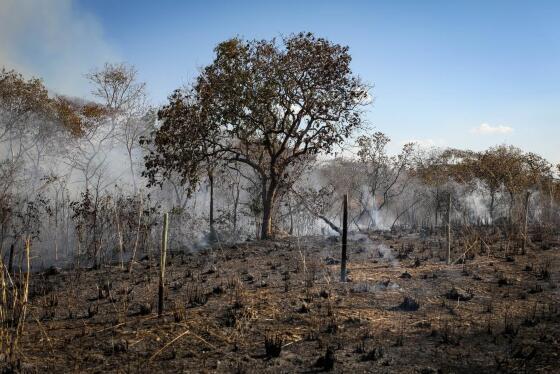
(14, 294)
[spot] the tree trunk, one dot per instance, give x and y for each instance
(344, 238)
(511, 202)
(211, 182)
(291, 232)
(492, 199)
(269, 196)
(140, 214)
(11, 260)
(162, 260)
(131, 165)
(266, 227)
(325, 219)
(525, 222)
(437, 207)
(213, 237)
(235, 206)
(404, 211)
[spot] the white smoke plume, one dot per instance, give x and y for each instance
(52, 40)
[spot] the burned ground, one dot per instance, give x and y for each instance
(277, 306)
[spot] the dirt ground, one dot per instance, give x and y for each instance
(279, 307)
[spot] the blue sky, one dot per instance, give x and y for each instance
(445, 73)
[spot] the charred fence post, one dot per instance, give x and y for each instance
(162, 263)
(344, 238)
(449, 228)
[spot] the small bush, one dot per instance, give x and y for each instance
(92, 310)
(408, 305)
(179, 313)
(196, 296)
(374, 354)
(273, 345)
(327, 361)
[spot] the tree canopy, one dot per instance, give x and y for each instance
(263, 104)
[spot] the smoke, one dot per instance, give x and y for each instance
(388, 255)
(54, 40)
(383, 219)
(476, 204)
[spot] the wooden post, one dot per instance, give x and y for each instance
(525, 222)
(162, 263)
(449, 228)
(344, 238)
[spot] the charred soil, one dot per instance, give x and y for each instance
(277, 306)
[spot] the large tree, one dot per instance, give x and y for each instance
(264, 104)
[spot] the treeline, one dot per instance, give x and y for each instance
(245, 151)
(412, 189)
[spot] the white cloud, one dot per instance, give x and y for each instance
(52, 40)
(486, 129)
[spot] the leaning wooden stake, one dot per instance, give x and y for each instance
(449, 228)
(162, 263)
(344, 238)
